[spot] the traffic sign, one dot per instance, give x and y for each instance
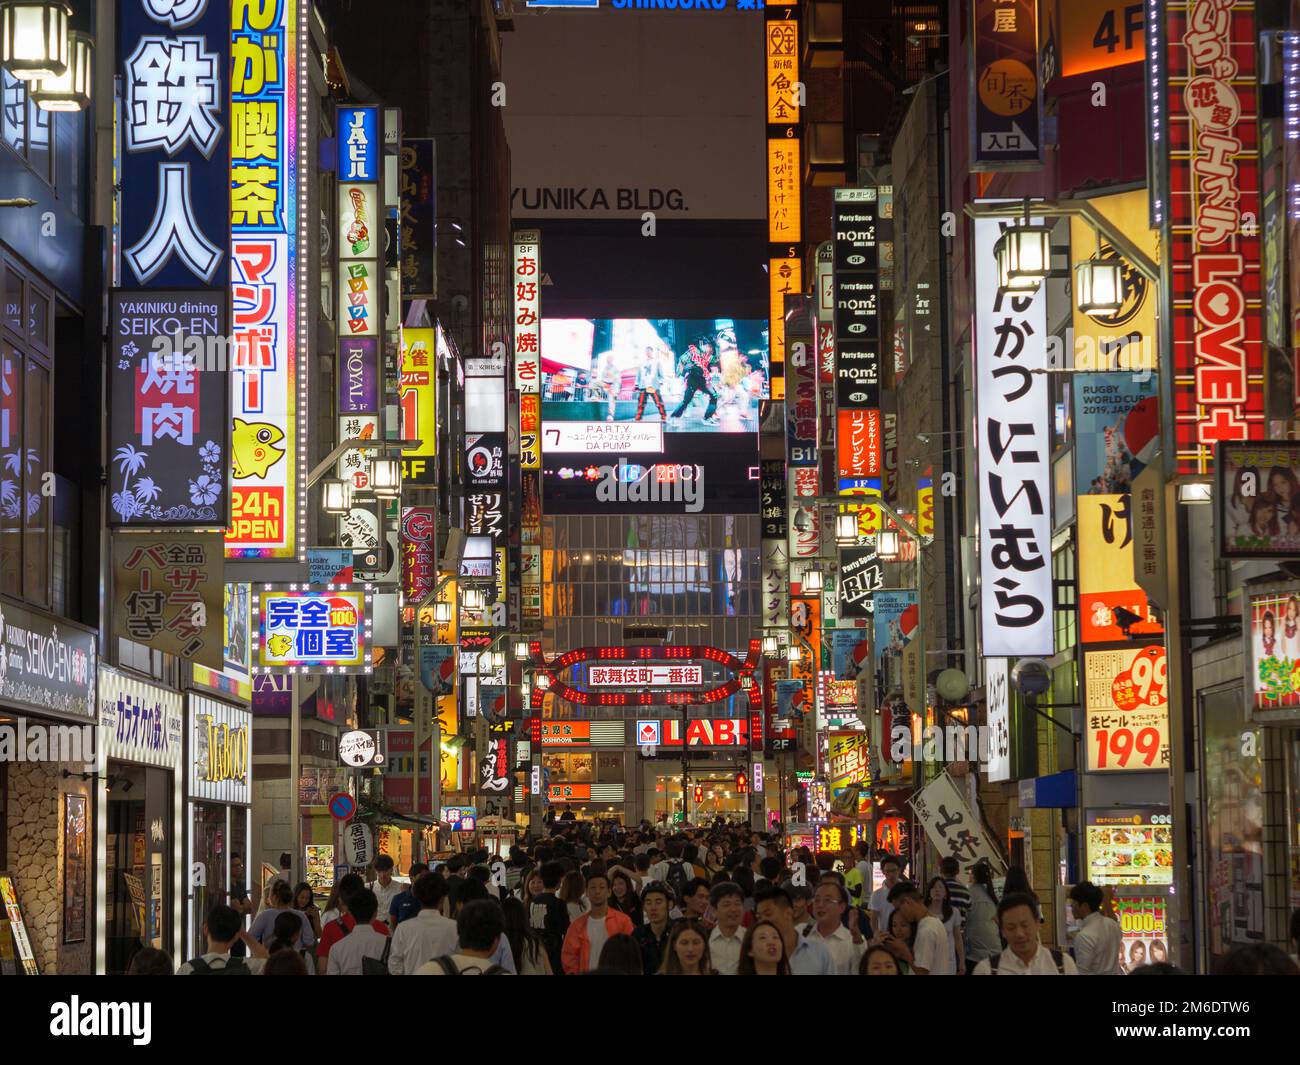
(342, 806)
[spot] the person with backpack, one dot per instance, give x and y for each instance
(367, 938)
(479, 929)
(224, 927)
(677, 873)
(338, 921)
(1025, 954)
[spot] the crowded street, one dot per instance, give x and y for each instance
(650, 488)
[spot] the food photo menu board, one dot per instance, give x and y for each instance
(1130, 846)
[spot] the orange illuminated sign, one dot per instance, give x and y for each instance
(1099, 34)
(783, 221)
(565, 733)
(783, 276)
(782, 71)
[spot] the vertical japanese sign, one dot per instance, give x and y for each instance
(1212, 227)
(783, 113)
(528, 315)
(267, 255)
(1006, 98)
(858, 449)
(801, 402)
(418, 397)
(170, 409)
(358, 375)
(526, 272)
(419, 553)
(857, 299)
(169, 594)
(772, 498)
(418, 219)
(1013, 438)
(1112, 607)
(175, 143)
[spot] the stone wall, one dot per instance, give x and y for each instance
(35, 857)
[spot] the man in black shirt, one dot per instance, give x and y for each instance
(548, 914)
(653, 935)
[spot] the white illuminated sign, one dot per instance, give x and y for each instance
(601, 437)
(646, 676)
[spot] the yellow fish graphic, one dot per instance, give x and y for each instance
(252, 445)
(279, 645)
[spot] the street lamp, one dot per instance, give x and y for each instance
(385, 477)
(887, 546)
(1098, 285)
(34, 38)
(442, 613)
(522, 652)
(498, 659)
(793, 653)
(1024, 256)
(771, 646)
(472, 598)
(336, 495)
(812, 580)
(69, 91)
(543, 681)
(1195, 492)
(846, 529)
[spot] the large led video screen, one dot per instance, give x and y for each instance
(619, 384)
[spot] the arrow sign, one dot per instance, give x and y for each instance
(342, 806)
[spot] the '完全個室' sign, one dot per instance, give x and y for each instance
(326, 631)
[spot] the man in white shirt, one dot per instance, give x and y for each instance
(727, 937)
(880, 907)
(830, 903)
(931, 953)
(480, 929)
(348, 954)
(384, 886)
(225, 925)
(1097, 943)
(428, 934)
(1025, 954)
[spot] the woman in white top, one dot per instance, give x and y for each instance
(940, 906)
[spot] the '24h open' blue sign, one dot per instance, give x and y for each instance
(175, 180)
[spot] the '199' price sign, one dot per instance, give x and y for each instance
(1127, 709)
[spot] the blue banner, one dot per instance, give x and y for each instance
(358, 137)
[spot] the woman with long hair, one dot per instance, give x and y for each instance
(940, 906)
(530, 884)
(526, 945)
(573, 893)
(623, 896)
(687, 953)
(763, 951)
(304, 901)
(621, 954)
(715, 860)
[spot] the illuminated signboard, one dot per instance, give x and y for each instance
(418, 403)
(1144, 937)
(1014, 481)
(617, 438)
(268, 267)
(1127, 709)
(849, 775)
(170, 410)
(527, 303)
(705, 732)
(169, 594)
(1099, 34)
(566, 792)
(858, 444)
(1130, 846)
(419, 553)
(220, 749)
(743, 668)
(460, 818)
(1007, 99)
(1111, 605)
(783, 116)
(175, 115)
(856, 290)
(1272, 633)
(1257, 495)
(1206, 106)
(616, 375)
(785, 277)
(530, 431)
(782, 71)
(312, 631)
(565, 733)
(636, 676)
(358, 141)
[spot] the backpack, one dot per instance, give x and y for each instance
(449, 968)
(676, 876)
(234, 967)
(378, 966)
(1057, 956)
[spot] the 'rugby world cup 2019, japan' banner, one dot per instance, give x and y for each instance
(1012, 436)
(268, 384)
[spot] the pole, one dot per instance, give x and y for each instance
(918, 766)
(295, 774)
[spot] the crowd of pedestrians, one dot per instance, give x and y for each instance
(720, 901)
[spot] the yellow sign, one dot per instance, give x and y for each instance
(925, 508)
(1099, 34)
(1124, 339)
(1112, 609)
(418, 404)
(782, 72)
(227, 752)
(783, 215)
(783, 276)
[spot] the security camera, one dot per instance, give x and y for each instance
(1032, 677)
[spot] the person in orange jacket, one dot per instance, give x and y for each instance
(588, 934)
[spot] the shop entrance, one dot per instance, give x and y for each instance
(712, 791)
(137, 892)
